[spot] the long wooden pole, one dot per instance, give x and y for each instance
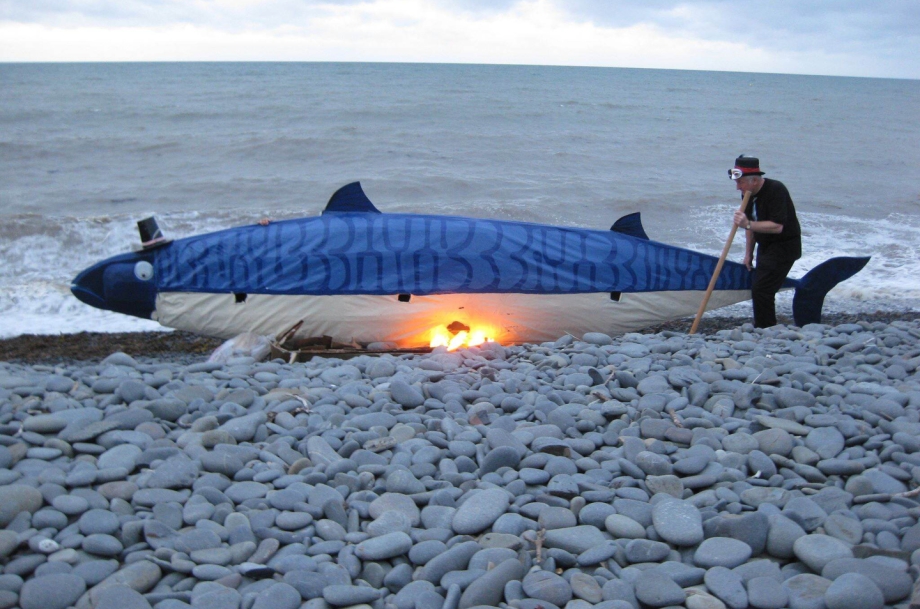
(715, 274)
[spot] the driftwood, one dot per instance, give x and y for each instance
(291, 348)
(915, 596)
(883, 497)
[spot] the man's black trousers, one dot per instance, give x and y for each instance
(768, 277)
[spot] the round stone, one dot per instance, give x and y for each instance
(658, 590)
(210, 572)
(556, 518)
(844, 528)
(597, 338)
(806, 591)
(775, 441)
(623, 527)
(646, 550)
(575, 539)
(586, 587)
(393, 521)
(102, 545)
(293, 521)
(456, 558)
(547, 586)
(46, 517)
(533, 476)
(503, 456)
(384, 547)
(18, 498)
(782, 535)
(71, 505)
(398, 503)
(99, 521)
(343, 595)
(489, 588)
(727, 586)
(766, 593)
(479, 511)
(721, 552)
(405, 394)
(241, 491)
(278, 596)
(854, 591)
(424, 551)
(653, 464)
(894, 583)
(817, 550)
(678, 522)
(121, 597)
(94, 571)
(57, 591)
(403, 482)
(827, 442)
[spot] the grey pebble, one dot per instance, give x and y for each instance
(782, 535)
(645, 465)
(121, 597)
(678, 522)
(488, 589)
(726, 585)
(384, 547)
(894, 584)
(18, 498)
(848, 530)
(456, 558)
(646, 550)
(574, 539)
(480, 511)
(547, 586)
(57, 591)
(765, 593)
(721, 552)
(343, 596)
(658, 590)
(102, 545)
(817, 550)
(806, 591)
(853, 591)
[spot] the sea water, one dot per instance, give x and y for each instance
(86, 150)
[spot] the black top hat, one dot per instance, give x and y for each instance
(748, 165)
(151, 235)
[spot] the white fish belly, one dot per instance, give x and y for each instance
(506, 318)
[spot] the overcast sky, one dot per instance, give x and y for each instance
(878, 38)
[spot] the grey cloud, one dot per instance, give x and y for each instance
(884, 33)
(805, 25)
(824, 25)
(163, 12)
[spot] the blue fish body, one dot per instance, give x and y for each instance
(354, 250)
(364, 253)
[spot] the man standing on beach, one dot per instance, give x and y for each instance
(772, 225)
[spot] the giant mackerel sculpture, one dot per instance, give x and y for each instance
(362, 276)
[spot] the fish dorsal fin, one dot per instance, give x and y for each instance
(350, 198)
(630, 224)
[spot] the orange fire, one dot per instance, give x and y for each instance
(442, 337)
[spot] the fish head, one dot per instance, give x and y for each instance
(124, 284)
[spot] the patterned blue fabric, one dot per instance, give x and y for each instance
(372, 253)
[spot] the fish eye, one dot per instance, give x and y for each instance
(143, 270)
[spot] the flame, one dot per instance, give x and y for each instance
(442, 337)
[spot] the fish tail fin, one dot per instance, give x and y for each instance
(814, 286)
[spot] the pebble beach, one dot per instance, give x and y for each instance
(734, 468)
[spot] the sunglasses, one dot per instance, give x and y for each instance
(735, 173)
